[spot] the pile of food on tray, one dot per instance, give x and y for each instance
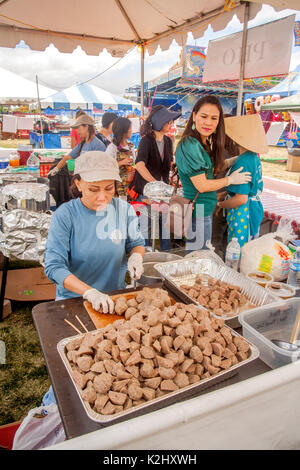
(158, 348)
(217, 296)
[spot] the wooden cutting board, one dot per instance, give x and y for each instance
(100, 320)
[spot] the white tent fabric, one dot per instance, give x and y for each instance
(87, 96)
(14, 88)
(117, 25)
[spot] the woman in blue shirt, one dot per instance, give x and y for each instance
(90, 236)
(85, 126)
(244, 208)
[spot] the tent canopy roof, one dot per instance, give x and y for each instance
(79, 96)
(291, 103)
(290, 85)
(14, 88)
(123, 23)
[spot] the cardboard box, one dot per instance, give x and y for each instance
(28, 285)
(293, 163)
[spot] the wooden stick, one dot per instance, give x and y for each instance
(83, 326)
(296, 328)
(74, 327)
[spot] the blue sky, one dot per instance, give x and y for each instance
(58, 70)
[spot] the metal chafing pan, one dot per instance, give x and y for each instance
(185, 271)
(173, 397)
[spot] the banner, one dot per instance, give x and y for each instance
(297, 33)
(193, 62)
(268, 52)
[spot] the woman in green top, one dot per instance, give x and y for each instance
(199, 158)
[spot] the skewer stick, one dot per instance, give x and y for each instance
(83, 326)
(74, 327)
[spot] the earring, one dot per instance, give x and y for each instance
(193, 126)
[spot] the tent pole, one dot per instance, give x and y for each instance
(243, 60)
(142, 49)
(40, 110)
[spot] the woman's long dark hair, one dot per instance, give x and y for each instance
(146, 127)
(120, 128)
(92, 131)
(216, 142)
(74, 191)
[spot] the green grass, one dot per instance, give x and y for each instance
(23, 379)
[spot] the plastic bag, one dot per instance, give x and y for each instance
(41, 428)
(269, 253)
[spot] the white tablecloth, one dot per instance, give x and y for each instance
(259, 413)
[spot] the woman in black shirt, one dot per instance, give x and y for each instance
(153, 162)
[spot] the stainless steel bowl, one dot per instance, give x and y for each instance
(150, 275)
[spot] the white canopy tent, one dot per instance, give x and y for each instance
(123, 23)
(15, 89)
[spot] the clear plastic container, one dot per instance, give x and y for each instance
(273, 321)
(282, 290)
(14, 159)
(260, 277)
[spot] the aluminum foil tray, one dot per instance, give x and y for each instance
(173, 397)
(176, 273)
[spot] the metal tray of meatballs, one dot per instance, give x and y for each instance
(164, 353)
(218, 288)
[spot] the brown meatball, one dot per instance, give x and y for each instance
(85, 363)
(74, 344)
(148, 393)
(217, 349)
(178, 341)
(168, 385)
(147, 339)
(166, 373)
(79, 378)
(109, 409)
(135, 392)
(196, 354)
(153, 382)
(103, 382)
(147, 352)
(164, 362)
(130, 312)
(100, 402)
(186, 364)
(186, 330)
(194, 378)
(117, 398)
(181, 380)
(147, 371)
(119, 385)
(134, 359)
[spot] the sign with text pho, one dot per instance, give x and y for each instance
(268, 52)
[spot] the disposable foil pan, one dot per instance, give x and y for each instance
(173, 397)
(185, 271)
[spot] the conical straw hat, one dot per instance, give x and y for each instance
(248, 132)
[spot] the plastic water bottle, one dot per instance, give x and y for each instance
(33, 165)
(294, 272)
(233, 254)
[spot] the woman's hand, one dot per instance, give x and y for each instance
(239, 178)
(135, 266)
(54, 171)
(125, 161)
(98, 300)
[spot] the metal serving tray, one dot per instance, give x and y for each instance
(185, 271)
(173, 397)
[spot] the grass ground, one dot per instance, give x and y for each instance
(24, 379)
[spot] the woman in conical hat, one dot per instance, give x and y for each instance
(243, 204)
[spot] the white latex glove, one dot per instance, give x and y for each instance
(54, 171)
(239, 178)
(135, 266)
(98, 299)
